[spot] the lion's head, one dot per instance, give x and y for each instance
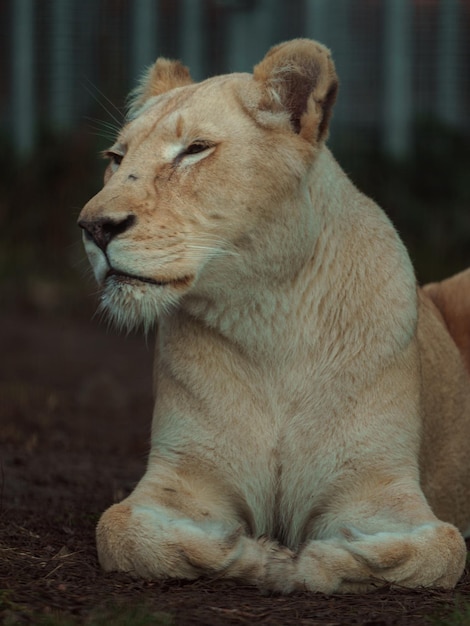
(205, 191)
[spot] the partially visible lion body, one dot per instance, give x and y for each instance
(312, 418)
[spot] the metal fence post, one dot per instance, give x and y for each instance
(192, 36)
(144, 35)
(397, 64)
(61, 66)
(22, 73)
(251, 33)
(448, 62)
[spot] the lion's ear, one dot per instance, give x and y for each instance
(162, 76)
(299, 77)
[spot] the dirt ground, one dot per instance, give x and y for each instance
(75, 405)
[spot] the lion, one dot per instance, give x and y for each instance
(311, 425)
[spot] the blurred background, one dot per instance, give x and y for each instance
(401, 126)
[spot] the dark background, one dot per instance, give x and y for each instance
(400, 129)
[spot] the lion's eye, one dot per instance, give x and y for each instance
(115, 159)
(196, 147)
(196, 151)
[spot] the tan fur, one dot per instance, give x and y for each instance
(452, 298)
(311, 425)
(161, 77)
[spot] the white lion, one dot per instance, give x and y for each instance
(312, 419)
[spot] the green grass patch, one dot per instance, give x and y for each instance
(458, 616)
(117, 614)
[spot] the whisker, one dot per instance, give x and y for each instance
(97, 123)
(83, 266)
(92, 93)
(214, 245)
(107, 133)
(91, 85)
(215, 249)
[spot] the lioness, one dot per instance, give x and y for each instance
(312, 420)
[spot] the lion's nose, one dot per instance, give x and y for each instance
(104, 229)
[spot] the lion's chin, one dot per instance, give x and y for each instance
(132, 304)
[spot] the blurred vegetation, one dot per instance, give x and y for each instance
(43, 266)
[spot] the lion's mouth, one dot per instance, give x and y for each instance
(124, 277)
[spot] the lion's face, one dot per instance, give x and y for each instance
(204, 192)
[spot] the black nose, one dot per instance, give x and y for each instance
(104, 229)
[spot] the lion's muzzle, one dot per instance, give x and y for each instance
(102, 230)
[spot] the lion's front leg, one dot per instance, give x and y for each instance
(428, 553)
(146, 537)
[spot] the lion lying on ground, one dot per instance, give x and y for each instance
(312, 419)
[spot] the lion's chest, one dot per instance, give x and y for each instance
(276, 440)
(281, 458)
(297, 476)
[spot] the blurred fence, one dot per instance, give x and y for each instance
(397, 59)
